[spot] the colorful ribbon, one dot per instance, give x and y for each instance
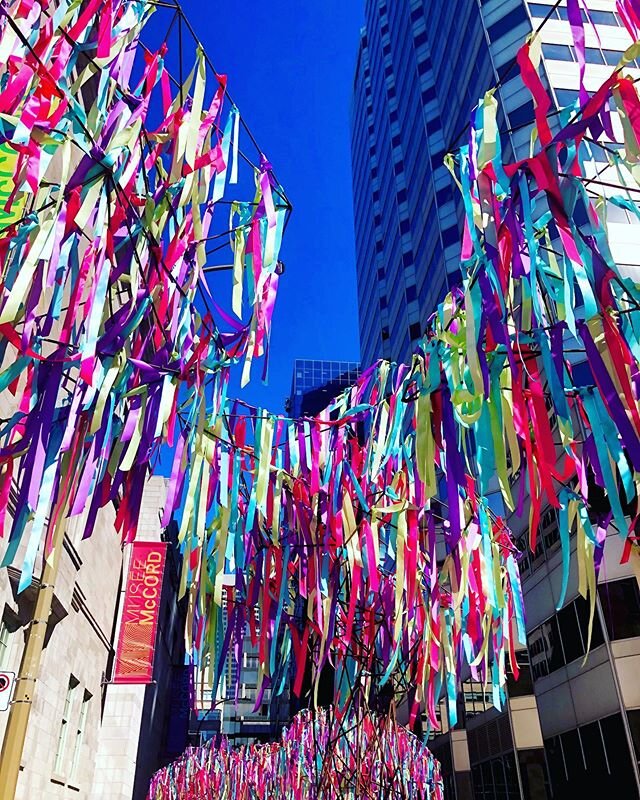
(365, 533)
(318, 757)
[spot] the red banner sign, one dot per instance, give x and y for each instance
(139, 623)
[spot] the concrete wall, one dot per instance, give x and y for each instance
(119, 751)
(78, 645)
(83, 626)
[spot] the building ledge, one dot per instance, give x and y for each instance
(59, 780)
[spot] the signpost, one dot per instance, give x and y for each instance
(7, 681)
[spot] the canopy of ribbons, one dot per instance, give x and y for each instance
(362, 535)
(113, 182)
(368, 757)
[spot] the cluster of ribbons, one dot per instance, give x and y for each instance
(365, 532)
(363, 535)
(111, 181)
(319, 757)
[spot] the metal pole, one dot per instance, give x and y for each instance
(16, 730)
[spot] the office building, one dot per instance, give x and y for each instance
(316, 382)
(422, 65)
(237, 719)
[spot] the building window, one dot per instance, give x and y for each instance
(612, 58)
(558, 52)
(570, 633)
(547, 540)
(533, 771)
(4, 644)
(450, 236)
(563, 638)
(564, 14)
(633, 715)
(428, 95)
(566, 97)
(549, 530)
(593, 55)
(523, 115)
(507, 23)
(621, 608)
(64, 725)
(524, 685)
(591, 760)
(77, 745)
(603, 17)
(548, 402)
(495, 778)
(539, 10)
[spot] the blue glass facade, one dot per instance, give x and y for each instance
(316, 382)
(422, 65)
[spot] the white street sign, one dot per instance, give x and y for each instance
(7, 679)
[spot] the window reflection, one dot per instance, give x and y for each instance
(564, 637)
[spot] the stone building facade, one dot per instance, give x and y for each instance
(86, 736)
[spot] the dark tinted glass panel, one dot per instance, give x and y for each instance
(537, 652)
(573, 759)
(555, 658)
(499, 781)
(582, 610)
(622, 779)
(533, 772)
(550, 530)
(511, 777)
(450, 236)
(555, 760)
(524, 684)
(478, 791)
(634, 723)
(570, 633)
(621, 608)
(487, 778)
(522, 115)
(581, 373)
(593, 749)
(508, 22)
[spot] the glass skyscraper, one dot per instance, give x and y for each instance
(316, 382)
(422, 66)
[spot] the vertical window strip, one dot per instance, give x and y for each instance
(82, 721)
(64, 726)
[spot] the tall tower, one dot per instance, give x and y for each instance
(422, 66)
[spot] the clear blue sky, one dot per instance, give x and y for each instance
(290, 67)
